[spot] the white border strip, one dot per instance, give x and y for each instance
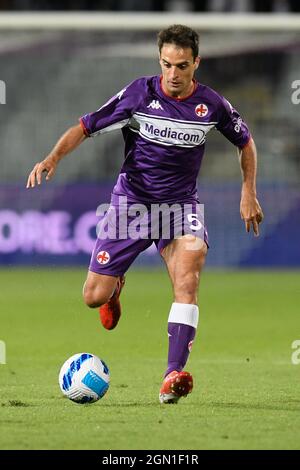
(178, 121)
(144, 21)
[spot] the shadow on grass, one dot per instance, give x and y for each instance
(16, 403)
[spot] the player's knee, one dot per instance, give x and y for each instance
(94, 297)
(201, 256)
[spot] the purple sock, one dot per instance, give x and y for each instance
(182, 325)
(180, 343)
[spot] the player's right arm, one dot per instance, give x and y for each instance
(114, 114)
(71, 139)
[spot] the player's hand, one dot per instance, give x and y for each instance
(47, 166)
(251, 212)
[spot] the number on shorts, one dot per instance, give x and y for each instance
(194, 218)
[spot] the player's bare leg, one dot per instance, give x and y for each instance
(98, 288)
(103, 291)
(185, 258)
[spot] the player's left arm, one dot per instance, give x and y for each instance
(250, 209)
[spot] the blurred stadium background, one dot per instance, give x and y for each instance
(54, 74)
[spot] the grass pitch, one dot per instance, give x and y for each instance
(246, 393)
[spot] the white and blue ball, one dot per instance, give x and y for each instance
(84, 378)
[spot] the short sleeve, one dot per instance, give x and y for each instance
(114, 114)
(232, 125)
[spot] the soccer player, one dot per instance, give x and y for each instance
(164, 121)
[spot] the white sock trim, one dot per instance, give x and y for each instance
(186, 314)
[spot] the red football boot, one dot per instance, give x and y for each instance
(175, 386)
(111, 311)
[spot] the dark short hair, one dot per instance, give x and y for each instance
(181, 36)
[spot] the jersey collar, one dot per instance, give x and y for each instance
(172, 97)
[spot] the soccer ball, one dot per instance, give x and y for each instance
(84, 378)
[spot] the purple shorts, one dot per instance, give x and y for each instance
(127, 228)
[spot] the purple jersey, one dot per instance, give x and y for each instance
(164, 137)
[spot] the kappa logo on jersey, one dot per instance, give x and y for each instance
(103, 257)
(155, 104)
(201, 110)
(121, 93)
(118, 95)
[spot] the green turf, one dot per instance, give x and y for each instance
(246, 394)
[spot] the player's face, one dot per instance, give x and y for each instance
(178, 67)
